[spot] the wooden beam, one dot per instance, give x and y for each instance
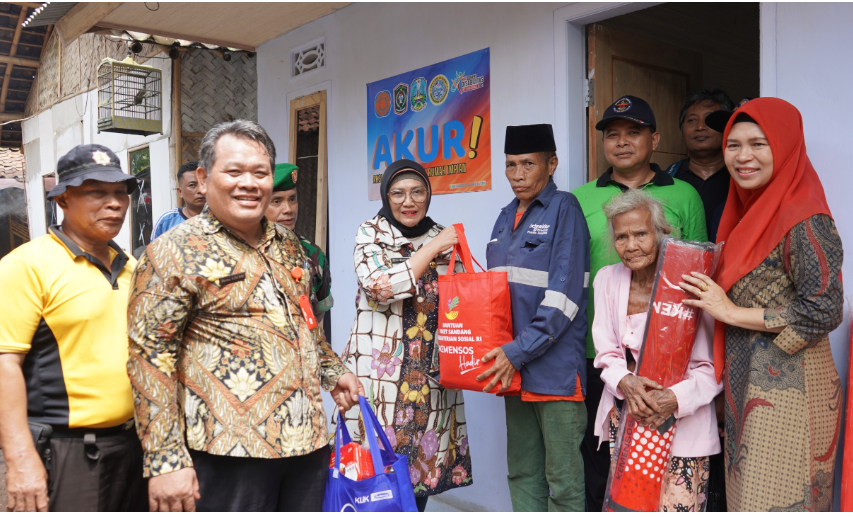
(83, 17)
(6, 117)
(4, 91)
(26, 4)
(177, 126)
(175, 35)
(19, 61)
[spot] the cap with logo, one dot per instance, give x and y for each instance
(629, 108)
(89, 162)
(535, 138)
(284, 177)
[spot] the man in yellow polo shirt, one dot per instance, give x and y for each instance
(63, 350)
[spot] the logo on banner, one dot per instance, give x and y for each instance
(419, 94)
(623, 104)
(451, 304)
(401, 98)
(467, 83)
(382, 104)
(439, 87)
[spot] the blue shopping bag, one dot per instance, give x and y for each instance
(389, 491)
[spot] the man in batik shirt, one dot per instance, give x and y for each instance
(284, 209)
(225, 364)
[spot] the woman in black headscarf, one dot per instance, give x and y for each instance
(392, 346)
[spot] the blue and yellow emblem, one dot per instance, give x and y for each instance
(419, 94)
(439, 87)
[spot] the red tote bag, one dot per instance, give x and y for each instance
(474, 317)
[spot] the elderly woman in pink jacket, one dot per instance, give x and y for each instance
(622, 292)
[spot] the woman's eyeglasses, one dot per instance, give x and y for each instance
(418, 195)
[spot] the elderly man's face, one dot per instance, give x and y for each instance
(636, 239)
(697, 136)
(628, 146)
(238, 185)
(95, 210)
(529, 174)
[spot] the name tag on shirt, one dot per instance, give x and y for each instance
(398, 260)
(538, 229)
(230, 279)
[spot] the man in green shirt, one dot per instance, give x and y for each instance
(630, 137)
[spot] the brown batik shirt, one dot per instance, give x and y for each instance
(219, 350)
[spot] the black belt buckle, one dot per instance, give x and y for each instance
(92, 451)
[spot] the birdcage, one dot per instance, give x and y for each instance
(129, 97)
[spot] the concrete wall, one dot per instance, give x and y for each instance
(804, 61)
(53, 132)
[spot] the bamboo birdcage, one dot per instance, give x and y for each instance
(129, 97)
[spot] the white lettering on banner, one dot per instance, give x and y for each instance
(539, 229)
(456, 350)
(675, 310)
(379, 496)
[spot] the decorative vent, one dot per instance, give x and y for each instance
(309, 57)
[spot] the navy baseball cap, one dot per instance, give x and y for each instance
(630, 108)
(90, 161)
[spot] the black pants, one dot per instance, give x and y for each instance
(228, 484)
(596, 462)
(111, 483)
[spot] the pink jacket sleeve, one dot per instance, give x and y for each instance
(700, 386)
(609, 353)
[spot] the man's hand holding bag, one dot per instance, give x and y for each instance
(474, 317)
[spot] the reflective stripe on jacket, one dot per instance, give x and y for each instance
(547, 261)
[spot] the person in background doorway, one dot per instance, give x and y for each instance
(630, 136)
(189, 191)
(392, 345)
(637, 227)
(541, 240)
(777, 296)
(284, 209)
(226, 372)
(704, 167)
(63, 351)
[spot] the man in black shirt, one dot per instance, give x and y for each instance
(704, 167)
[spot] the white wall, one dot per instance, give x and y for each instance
(368, 42)
(805, 50)
(53, 132)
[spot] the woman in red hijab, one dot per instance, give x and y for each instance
(776, 298)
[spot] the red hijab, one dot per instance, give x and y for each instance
(754, 222)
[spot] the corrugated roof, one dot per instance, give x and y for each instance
(48, 14)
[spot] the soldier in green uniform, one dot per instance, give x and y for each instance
(284, 209)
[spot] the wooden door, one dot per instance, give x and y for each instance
(621, 64)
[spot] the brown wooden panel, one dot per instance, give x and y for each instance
(625, 64)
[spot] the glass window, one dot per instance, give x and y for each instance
(140, 201)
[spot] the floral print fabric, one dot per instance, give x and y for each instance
(221, 359)
(783, 393)
(392, 348)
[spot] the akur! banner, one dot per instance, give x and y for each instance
(438, 116)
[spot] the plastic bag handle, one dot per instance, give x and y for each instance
(342, 437)
(372, 429)
(463, 251)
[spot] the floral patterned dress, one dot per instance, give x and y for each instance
(783, 393)
(392, 348)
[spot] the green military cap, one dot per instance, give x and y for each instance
(285, 177)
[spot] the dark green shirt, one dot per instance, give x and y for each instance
(321, 279)
(682, 207)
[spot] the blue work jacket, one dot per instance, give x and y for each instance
(547, 261)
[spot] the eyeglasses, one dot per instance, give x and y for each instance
(418, 195)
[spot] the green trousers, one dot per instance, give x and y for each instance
(543, 455)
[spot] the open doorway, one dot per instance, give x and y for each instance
(661, 54)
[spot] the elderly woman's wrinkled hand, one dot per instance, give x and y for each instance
(668, 404)
(641, 404)
(445, 240)
(711, 297)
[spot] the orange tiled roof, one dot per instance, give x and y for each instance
(12, 163)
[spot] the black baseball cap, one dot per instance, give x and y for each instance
(630, 108)
(89, 162)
